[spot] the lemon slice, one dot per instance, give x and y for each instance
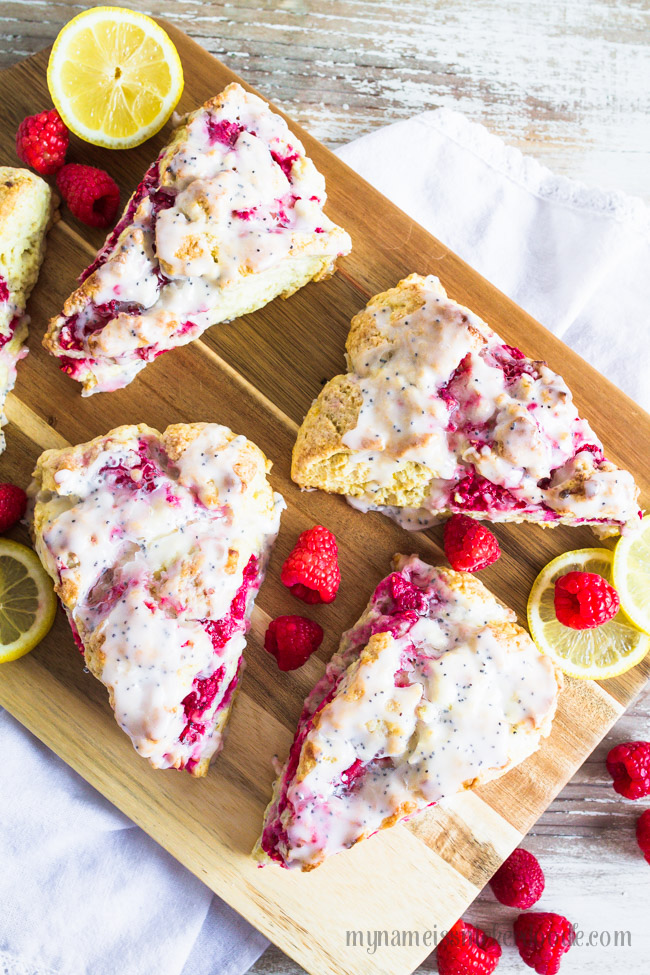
(632, 575)
(114, 76)
(605, 651)
(27, 600)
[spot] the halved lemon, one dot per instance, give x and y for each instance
(605, 651)
(632, 575)
(114, 76)
(27, 600)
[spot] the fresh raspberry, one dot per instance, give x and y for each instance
(643, 834)
(311, 571)
(91, 194)
(542, 939)
(469, 545)
(519, 881)
(42, 142)
(629, 766)
(292, 640)
(466, 950)
(13, 502)
(584, 600)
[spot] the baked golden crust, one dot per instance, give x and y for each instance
(383, 433)
(153, 542)
(27, 209)
(409, 711)
(246, 223)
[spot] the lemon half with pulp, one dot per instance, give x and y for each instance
(604, 651)
(27, 600)
(114, 76)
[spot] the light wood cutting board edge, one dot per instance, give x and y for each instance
(474, 821)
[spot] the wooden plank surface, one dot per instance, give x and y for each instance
(265, 396)
(566, 80)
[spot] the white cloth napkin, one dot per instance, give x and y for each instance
(82, 890)
(577, 259)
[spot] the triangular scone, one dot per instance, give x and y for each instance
(157, 545)
(438, 415)
(435, 690)
(26, 211)
(229, 216)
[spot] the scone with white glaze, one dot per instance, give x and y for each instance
(437, 415)
(227, 218)
(435, 690)
(26, 211)
(157, 545)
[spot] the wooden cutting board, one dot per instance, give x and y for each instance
(259, 376)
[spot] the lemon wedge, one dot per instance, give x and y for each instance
(114, 76)
(605, 651)
(27, 600)
(632, 575)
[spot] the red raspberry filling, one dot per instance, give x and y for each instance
(395, 594)
(97, 317)
(4, 289)
(285, 162)
(224, 132)
(390, 598)
(476, 493)
(13, 325)
(204, 689)
(161, 198)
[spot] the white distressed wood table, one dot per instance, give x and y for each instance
(565, 80)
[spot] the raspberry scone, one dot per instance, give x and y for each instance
(229, 216)
(435, 690)
(26, 211)
(438, 415)
(157, 545)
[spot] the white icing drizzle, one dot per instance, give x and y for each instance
(151, 554)
(522, 432)
(424, 715)
(244, 199)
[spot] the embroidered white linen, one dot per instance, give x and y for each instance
(81, 885)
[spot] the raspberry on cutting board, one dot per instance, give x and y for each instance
(519, 881)
(13, 502)
(91, 194)
(542, 938)
(629, 766)
(42, 142)
(466, 950)
(469, 545)
(292, 640)
(311, 571)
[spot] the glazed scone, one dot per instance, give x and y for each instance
(435, 690)
(228, 217)
(437, 415)
(26, 210)
(157, 545)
